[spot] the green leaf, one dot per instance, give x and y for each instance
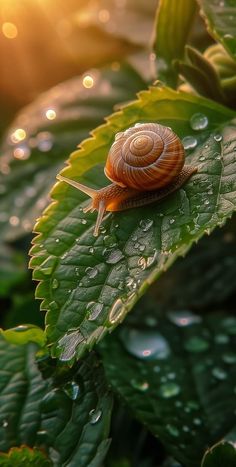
(134, 246)
(220, 17)
(171, 34)
(202, 75)
(176, 371)
(221, 454)
(69, 418)
(24, 334)
(34, 147)
(24, 456)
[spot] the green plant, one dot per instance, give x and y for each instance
(172, 362)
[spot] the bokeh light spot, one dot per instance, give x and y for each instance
(51, 114)
(88, 82)
(9, 30)
(18, 135)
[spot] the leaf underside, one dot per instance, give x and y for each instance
(89, 284)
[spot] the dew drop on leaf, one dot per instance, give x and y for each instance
(198, 122)
(172, 430)
(147, 345)
(146, 224)
(219, 373)
(221, 338)
(218, 138)
(169, 390)
(189, 142)
(72, 390)
(91, 272)
(114, 256)
(116, 311)
(94, 416)
(141, 386)
(94, 310)
(184, 318)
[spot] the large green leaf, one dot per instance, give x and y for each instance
(221, 454)
(220, 16)
(177, 373)
(68, 418)
(173, 23)
(35, 146)
(89, 284)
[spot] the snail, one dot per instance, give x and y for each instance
(145, 164)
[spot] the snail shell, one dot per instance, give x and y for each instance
(145, 164)
(145, 157)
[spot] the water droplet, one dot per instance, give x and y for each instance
(146, 224)
(206, 202)
(229, 357)
(55, 283)
(57, 240)
(114, 256)
(221, 338)
(68, 344)
(5, 423)
(197, 421)
(83, 221)
(109, 241)
(169, 390)
(142, 248)
(186, 428)
(72, 390)
(198, 122)
(94, 310)
(189, 142)
(172, 221)
(196, 344)
(219, 373)
(116, 311)
(91, 272)
(91, 250)
(202, 158)
(184, 318)
(94, 416)
(141, 386)
(172, 430)
(218, 138)
(148, 345)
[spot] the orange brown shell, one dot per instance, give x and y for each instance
(146, 157)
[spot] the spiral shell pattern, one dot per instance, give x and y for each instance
(145, 157)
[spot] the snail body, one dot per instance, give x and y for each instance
(145, 164)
